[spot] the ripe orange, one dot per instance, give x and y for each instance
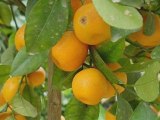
(36, 78)
(2, 100)
(4, 115)
(10, 88)
(89, 86)
(19, 37)
(75, 4)
(69, 53)
(147, 40)
(109, 116)
(89, 26)
(19, 117)
(122, 76)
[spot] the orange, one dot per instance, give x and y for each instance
(4, 115)
(121, 75)
(89, 86)
(19, 117)
(10, 88)
(75, 4)
(89, 27)
(109, 116)
(2, 100)
(36, 78)
(114, 66)
(19, 38)
(147, 40)
(69, 53)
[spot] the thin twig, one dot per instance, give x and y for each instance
(20, 5)
(14, 18)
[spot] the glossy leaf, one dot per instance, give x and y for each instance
(23, 107)
(155, 53)
(122, 17)
(101, 113)
(25, 63)
(4, 73)
(5, 14)
(143, 112)
(147, 86)
(76, 110)
(100, 64)
(30, 4)
(135, 3)
(137, 67)
(61, 79)
(8, 56)
(118, 34)
(46, 23)
(111, 51)
(31, 96)
(124, 110)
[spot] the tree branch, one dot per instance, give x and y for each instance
(54, 96)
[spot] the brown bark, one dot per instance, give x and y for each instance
(54, 96)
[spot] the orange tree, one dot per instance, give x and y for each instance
(79, 59)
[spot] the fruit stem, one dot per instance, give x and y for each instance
(54, 96)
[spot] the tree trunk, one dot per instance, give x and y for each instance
(54, 96)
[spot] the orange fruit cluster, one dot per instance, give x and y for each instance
(89, 29)
(16, 84)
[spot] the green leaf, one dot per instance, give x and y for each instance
(124, 110)
(23, 107)
(120, 33)
(155, 53)
(129, 94)
(102, 113)
(8, 56)
(46, 23)
(25, 63)
(151, 5)
(132, 51)
(5, 14)
(111, 51)
(136, 67)
(30, 4)
(100, 64)
(117, 15)
(76, 110)
(136, 3)
(147, 87)
(149, 26)
(11, 39)
(143, 112)
(61, 79)
(31, 96)
(4, 73)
